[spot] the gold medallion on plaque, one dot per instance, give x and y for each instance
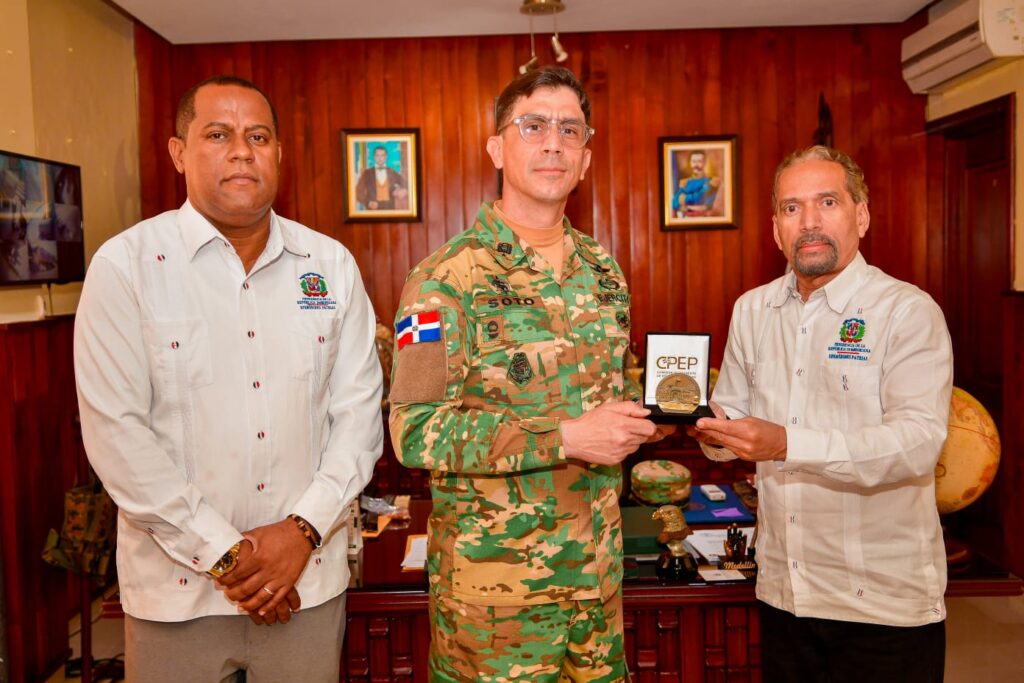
(678, 393)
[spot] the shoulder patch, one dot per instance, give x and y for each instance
(421, 369)
(421, 374)
(418, 327)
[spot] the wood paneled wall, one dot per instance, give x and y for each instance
(1011, 470)
(39, 454)
(762, 84)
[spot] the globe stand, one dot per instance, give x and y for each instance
(966, 467)
(958, 553)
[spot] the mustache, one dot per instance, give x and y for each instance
(814, 238)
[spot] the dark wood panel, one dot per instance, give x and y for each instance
(38, 456)
(1011, 471)
(762, 84)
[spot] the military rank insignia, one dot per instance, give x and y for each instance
(501, 285)
(519, 370)
(418, 327)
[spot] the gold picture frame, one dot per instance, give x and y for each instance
(381, 174)
(698, 182)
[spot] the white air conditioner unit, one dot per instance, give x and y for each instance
(962, 36)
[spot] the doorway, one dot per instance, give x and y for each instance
(970, 162)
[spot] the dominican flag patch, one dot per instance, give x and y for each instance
(418, 327)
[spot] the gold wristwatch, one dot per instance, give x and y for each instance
(226, 562)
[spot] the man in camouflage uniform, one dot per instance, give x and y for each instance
(508, 386)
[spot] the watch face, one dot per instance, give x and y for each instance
(226, 562)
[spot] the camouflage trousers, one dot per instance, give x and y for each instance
(562, 641)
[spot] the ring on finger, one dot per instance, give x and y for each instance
(268, 591)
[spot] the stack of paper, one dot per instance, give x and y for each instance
(415, 553)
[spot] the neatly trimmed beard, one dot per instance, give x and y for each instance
(820, 267)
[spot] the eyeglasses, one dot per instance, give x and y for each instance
(534, 129)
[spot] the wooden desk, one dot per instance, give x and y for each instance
(694, 632)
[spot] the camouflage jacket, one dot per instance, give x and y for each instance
(514, 521)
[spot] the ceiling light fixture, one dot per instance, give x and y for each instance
(552, 7)
(560, 54)
(532, 62)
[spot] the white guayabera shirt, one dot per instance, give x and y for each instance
(213, 401)
(860, 376)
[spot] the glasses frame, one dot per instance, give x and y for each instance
(518, 123)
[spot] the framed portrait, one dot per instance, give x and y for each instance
(698, 182)
(381, 173)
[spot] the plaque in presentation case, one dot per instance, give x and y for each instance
(678, 368)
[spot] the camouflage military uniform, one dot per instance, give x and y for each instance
(514, 522)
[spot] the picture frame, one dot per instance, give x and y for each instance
(381, 175)
(699, 188)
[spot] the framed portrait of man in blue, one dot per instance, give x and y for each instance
(698, 182)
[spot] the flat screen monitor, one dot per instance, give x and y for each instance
(40, 221)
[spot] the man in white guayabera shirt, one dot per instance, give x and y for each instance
(230, 399)
(837, 380)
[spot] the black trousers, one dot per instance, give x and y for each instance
(804, 649)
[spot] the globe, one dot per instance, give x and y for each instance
(970, 456)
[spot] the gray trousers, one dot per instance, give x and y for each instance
(225, 649)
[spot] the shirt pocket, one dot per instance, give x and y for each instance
(519, 358)
(180, 353)
(615, 322)
(314, 348)
(847, 396)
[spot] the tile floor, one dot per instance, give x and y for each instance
(107, 638)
